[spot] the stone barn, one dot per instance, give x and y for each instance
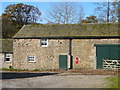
(6, 53)
(63, 47)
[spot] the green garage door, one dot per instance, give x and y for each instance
(108, 52)
(63, 62)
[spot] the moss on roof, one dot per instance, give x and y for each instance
(6, 45)
(67, 30)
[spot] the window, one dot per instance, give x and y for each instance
(7, 57)
(44, 42)
(31, 58)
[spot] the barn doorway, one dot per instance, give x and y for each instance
(106, 52)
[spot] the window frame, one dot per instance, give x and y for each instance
(7, 56)
(31, 57)
(46, 41)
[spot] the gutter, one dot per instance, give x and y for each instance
(71, 37)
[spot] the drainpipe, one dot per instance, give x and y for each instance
(70, 53)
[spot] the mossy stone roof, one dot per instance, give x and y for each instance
(6, 45)
(67, 30)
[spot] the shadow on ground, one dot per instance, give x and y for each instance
(15, 75)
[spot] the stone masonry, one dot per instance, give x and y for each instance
(85, 50)
(48, 57)
(3, 63)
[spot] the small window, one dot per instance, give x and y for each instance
(31, 58)
(44, 42)
(7, 57)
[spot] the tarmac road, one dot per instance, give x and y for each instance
(53, 80)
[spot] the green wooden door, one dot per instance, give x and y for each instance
(63, 62)
(102, 53)
(108, 52)
(114, 53)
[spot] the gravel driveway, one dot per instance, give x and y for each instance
(62, 80)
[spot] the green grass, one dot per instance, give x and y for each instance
(11, 69)
(115, 81)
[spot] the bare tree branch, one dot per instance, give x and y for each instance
(64, 13)
(107, 11)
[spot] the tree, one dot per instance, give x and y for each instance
(0, 27)
(15, 16)
(119, 12)
(63, 13)
(90, 19)
(81, 14)
(8, 28)
(22, 13)
(107, 11)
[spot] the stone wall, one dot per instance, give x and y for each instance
(85, 50)
(1, 59)
(3, 63)
(48, 57)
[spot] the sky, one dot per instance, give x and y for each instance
(44, 7)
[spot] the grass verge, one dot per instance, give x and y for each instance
(11, 69)
(115, 81)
